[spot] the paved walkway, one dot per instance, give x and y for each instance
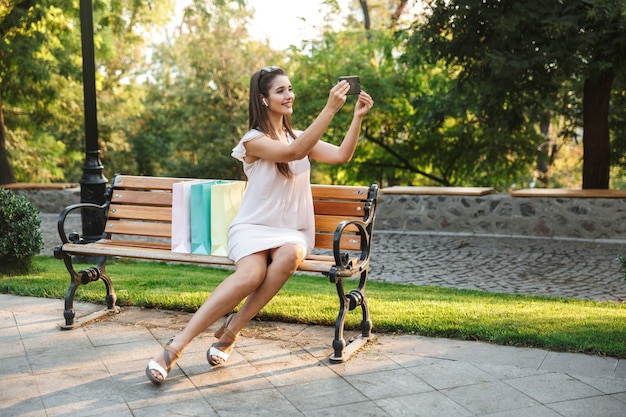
(282, 369)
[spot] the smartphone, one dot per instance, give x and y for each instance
(355, 83)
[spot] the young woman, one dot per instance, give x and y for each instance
(274, 228)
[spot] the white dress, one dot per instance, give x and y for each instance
(275, 210)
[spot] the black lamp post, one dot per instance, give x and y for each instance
(92, 183)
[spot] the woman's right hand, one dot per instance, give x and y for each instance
(338, 96)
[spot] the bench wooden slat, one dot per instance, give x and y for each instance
(339, 208)
(147, 183)
(329, 223)
(138, 228)
(163, 199)
(118, 211)
(348, 242)
(121, 242)
(339, 192)
(319, 264)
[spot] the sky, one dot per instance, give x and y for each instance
(287, 22)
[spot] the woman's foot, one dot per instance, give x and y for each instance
(219, 352)
(157, 369)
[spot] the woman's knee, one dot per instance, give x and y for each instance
(288, 257)
(251, 272)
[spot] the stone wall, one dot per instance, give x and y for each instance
(490, 214)
(503, 214)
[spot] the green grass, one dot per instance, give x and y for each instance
(559, 324)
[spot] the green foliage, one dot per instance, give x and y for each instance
(20, 235)
(197, 98)
(524, 63)
(460, 95)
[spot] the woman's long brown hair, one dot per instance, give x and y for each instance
(257, 113)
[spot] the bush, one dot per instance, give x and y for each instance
(20, 233)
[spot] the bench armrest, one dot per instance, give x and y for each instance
(100, 210)
(343, 264)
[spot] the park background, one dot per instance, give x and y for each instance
(498, 94)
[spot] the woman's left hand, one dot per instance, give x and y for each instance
(363, 104)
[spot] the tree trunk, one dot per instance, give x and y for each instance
(6, 173)
(596, 143)
(366, 15)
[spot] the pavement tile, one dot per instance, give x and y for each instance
(11, 347)
(620, 397)
(553, 387)
(231, 377)
(138, 392)
(117, 334)
(503, 372)
(579, 364)
(489, 397)
(14, 368)
(606, 385)
(86, 391)
(386, 384)
(533, 411)
(268, 402)
(293, 368)
(595, 406)
(620, 369)
(479, 352)
(368, 360)
(312, 395)
(7, 322)
(450, 374)
(196, 408)
(426, 404)
(19, 396)
(362, 409)
(59, 358)
(141, 352)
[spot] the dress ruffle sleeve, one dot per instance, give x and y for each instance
(239, 151)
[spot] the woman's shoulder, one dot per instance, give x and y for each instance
(252, 134)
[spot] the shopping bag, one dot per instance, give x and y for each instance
(225, 202)
(200, 214)
(181, 217)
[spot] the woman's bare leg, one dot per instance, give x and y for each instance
(285, 261)
(247, 278)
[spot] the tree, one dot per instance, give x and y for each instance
(39, 80)
(196, 105)
(520, 57)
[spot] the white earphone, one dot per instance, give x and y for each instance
(264, 102)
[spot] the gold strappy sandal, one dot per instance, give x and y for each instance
(154, 365)
(216, 356)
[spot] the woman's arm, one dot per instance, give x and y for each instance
(277, 151)
(333, 154)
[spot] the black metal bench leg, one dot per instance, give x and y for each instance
(111, 298)
(343, 351)
(81, 278)
(339, 343)
(366, 323)
(69, 312)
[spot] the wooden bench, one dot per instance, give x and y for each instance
(137, 216)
